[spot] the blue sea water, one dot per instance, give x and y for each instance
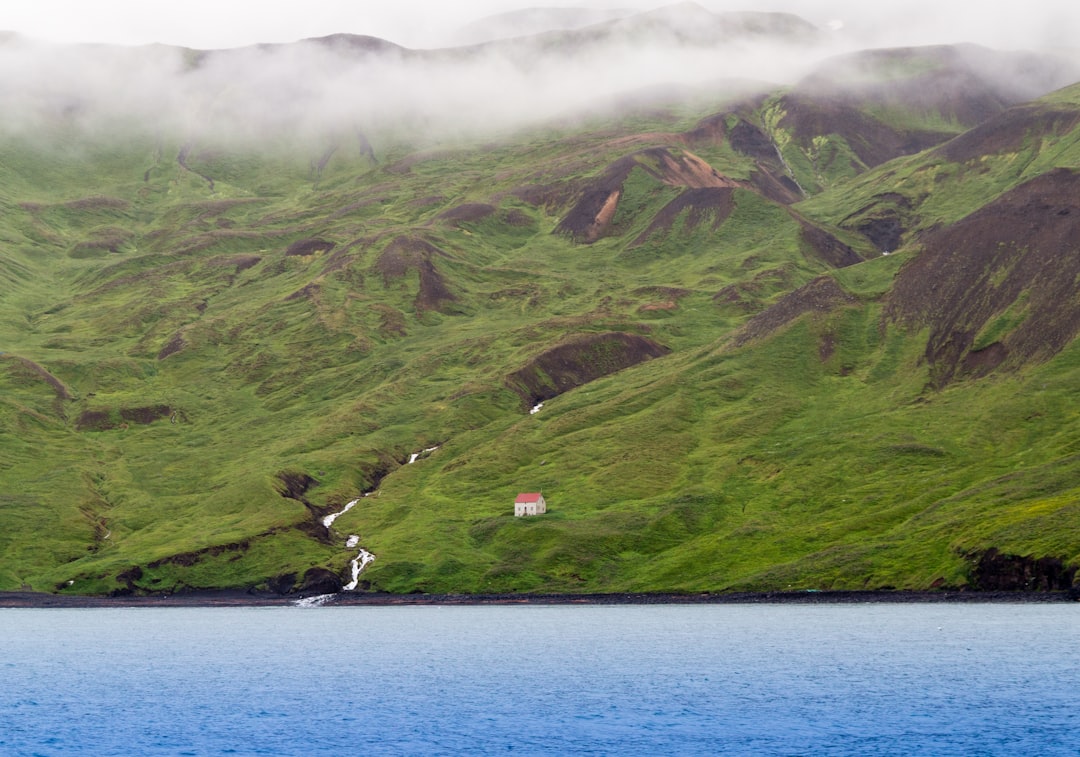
(871, 679)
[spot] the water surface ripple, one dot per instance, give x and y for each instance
(736, 679)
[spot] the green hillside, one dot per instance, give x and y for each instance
(207, 346)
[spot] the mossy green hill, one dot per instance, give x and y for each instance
(208, 346)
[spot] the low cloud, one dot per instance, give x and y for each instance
(315, 88)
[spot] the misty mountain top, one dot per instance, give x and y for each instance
(345, 81)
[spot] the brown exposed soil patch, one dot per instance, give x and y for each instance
(777, 187)
(821, 295)
(309, 246)
(750, 140)
(995, 571)
(579, 361)
(591, 216)
(409, 252)
(174, 345)
(884, 221)
(1014, 265)
(295, 485)
(1009, 131)
(308, 291)
(826, 247)
(770, 178)
(105, 420)
(187, 559)
(736, 298)
(699, 205)
(979, 363)
(515, 217)
(471, 211)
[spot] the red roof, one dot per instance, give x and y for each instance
(527, 497)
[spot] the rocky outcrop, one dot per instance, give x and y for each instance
(996, 571)
(579, 361)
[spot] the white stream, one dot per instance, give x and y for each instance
(416, 455)
(363, 558)
(536, 409)
(329, 519)
(358, 564)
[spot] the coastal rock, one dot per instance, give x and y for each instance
(320, 581)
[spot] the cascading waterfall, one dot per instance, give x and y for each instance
(363, 557)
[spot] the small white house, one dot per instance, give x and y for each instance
(529, 503)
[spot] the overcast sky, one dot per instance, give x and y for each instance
(426, 23)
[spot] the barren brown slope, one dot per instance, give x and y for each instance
(1000, 287)
(594, 209)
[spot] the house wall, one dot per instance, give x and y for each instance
(530, 508)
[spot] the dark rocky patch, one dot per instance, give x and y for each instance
(129, 578)
(592, 214)
(776, 186)
(106, 420)
(579, 361)
(309, 246)
(188, 559)
(408, 252)
(738, 298)
(320, 581)
(471, 211)
(308, 291)
(1009, 131)
(886, 232)
(282, 584)
(995, 571)
(821, 295)
(826, 247)
(1025, 244)
(145, 415)
(750, 140)
(516, 218)
(295, 485)
(174, 345)
(979, 363)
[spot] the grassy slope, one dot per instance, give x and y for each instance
(783, 462)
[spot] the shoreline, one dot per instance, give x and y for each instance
(240, 598)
